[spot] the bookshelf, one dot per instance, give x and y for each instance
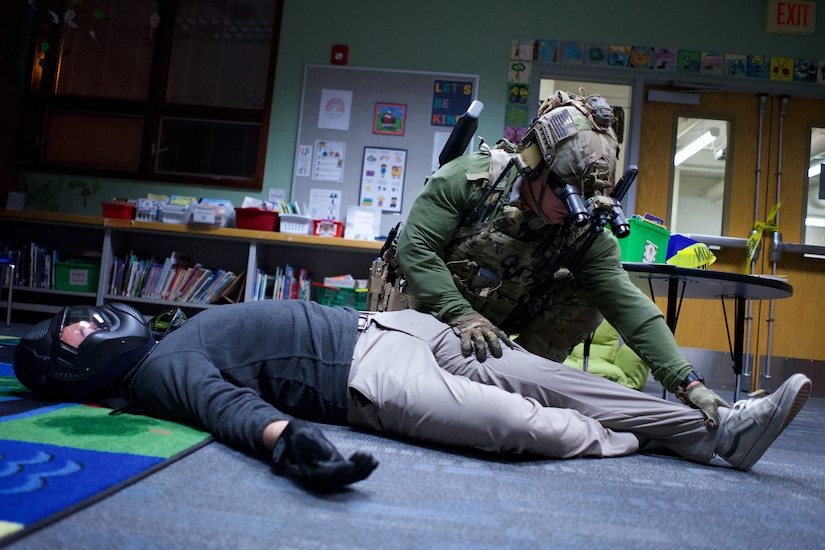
(240, 251)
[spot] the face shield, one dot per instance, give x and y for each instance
(83, 351)
(79, 323)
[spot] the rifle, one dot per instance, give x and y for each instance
(461, 134)
(384, 287)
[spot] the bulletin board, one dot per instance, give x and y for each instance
(370, 137)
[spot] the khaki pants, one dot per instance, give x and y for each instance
(409, 378)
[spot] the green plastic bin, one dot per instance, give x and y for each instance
(76, 276)
(336, 296)
(647, 242)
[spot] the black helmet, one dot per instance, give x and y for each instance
(83, 352)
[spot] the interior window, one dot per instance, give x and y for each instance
(699, 176)
(172, 90)
(815, 215)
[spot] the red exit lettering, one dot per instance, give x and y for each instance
(792, 14)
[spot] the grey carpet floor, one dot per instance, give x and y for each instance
(423, 497)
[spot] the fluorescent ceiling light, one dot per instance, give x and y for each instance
(692, 148)
(815, 222)
(814, 170)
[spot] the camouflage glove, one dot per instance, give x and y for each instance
(475, 330)
(302, 451)
(704, 399)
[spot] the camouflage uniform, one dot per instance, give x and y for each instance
(449, 269)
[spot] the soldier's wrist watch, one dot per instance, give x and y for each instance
(692, 377)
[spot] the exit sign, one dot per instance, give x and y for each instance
(790, 17)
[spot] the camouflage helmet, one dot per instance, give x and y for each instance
(575, 136)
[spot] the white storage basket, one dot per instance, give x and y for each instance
(175, 213)
(295, 224)
(148, 210)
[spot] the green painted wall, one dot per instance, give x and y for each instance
(459, 36)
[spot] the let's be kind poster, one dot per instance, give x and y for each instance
(382, 178)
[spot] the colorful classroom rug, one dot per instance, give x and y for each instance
(56, 459)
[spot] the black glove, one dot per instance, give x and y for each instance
(303, 451)
(475, 330)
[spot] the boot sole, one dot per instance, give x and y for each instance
(756, 451)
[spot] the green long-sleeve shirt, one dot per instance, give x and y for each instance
(437, 213)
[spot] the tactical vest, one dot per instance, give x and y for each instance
(500, 261)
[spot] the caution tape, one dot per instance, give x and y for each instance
(756, 237)
(697, 256)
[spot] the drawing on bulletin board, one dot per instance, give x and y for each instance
(389, 119)
(329, 161)
(433, 101)
(334, 110)
(382, 178)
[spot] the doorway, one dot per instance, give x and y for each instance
(768, 152)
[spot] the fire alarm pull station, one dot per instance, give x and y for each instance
(339, 54)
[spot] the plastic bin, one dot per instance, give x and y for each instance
(336, 296)
(647, 242)
(77, 276)
(174, 213)
(295, 224)
(327, 228)
(119, 210)
(148, 210)
(211, 214)
(677, 242)
(256, 218)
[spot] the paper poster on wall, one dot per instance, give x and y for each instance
(382, 178)
(439, 141)
(303, 161)
(329, 161)
(325, 204)
(334, 110)
(450, 100)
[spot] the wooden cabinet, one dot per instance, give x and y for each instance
(238, 250)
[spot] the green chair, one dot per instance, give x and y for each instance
(609, 358)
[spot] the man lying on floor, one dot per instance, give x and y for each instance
(248, 372)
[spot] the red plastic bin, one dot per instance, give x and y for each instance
(256, 218)
(119, 210)
(327, 228)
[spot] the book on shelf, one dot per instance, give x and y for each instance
(188, 278)
(173, 279)
(286, 283)
(37, 269)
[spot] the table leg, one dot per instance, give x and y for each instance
(738, 344)
(671, 316)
